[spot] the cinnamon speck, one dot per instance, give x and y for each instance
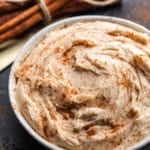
(132, 113)
(91, 132)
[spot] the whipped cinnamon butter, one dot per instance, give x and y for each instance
(87, 86)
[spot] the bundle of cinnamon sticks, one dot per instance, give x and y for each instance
(16, 18)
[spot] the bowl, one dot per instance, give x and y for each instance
(34, 40)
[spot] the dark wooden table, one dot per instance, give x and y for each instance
(12, 134)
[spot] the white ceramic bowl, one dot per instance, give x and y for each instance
(34, 40)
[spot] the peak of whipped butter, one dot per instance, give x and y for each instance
(87, 86)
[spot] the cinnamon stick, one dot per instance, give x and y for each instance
(29, 22)
(72, 8)
(6, 7)
(5, 18)
(20, 28)
(21, 17)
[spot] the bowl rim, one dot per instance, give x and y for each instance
(34, 40)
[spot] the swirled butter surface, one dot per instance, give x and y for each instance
(86, 86)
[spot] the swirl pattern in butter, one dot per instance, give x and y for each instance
(86, 86)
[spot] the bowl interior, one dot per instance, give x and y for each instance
(36, 39)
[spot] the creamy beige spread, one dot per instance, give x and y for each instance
(86, 86)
